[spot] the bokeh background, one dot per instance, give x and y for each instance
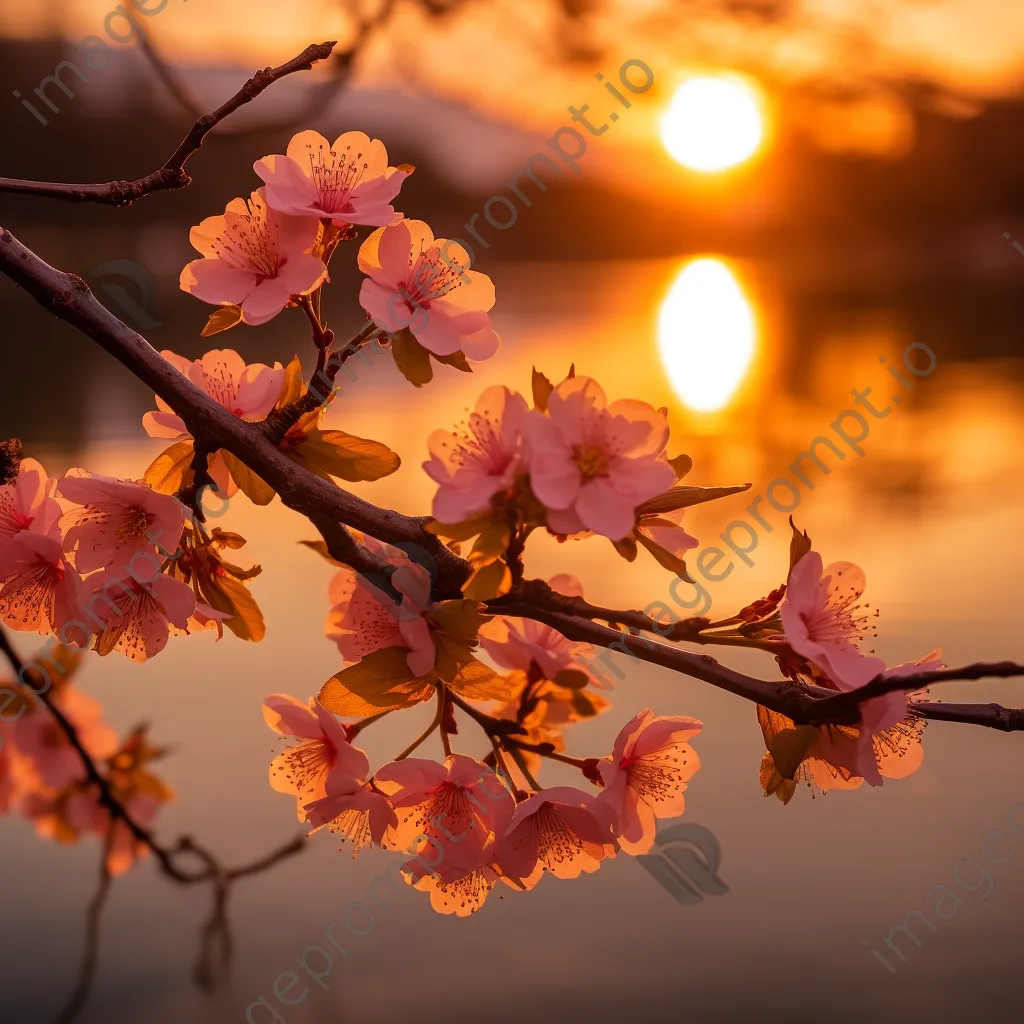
(872, 212)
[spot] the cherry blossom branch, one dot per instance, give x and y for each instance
(331, 507)
(992, 716)
(839, 703)
(172, 175)
(188, 494)
(166, 858)
(321, 385)
(68, 297)
(341, 66)
(803, 703)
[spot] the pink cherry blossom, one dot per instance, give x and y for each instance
(594, 461)
(425, 284)
(133, 617)
(45, 747)
(12, 772)
(117, 521)
(824, 621)
(889, 743)
(88, 816)
(347, 183)
(247, 390)
(254, 257)
(364, 619)
(39, 588)
(323, 761)
(561, 830)
(452, 890)
(459, 807)
(361, 817)
(27, 503)
(646, 776)
(480, 459)
(527, 644)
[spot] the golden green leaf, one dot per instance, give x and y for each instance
(456, 359)
(227, 539)
(684, 497)
(571, 678)
(380, 681)
(627, 546)
(460, 531)
(773, 782)
(663, 556)
(587, 704)
(542, 389)
(682, 464)
(460, 619)
(346, 456)
(168, 471)
(222, 319)
(232, 597)
(772, 723)
(799, 545)
(254, 487)
(491, 580)
(476, 681)
(239, 573)
(320, 547)
(790, 749)
(411, 358)
(492, 542)
(452, 654)
(291, 387)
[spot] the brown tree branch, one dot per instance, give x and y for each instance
(992, 716)
(881, 685)
(332, 508)
(216, 944)
(803, 703)
(172, 175)
(68, 297)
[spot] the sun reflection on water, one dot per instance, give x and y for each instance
(707, 335)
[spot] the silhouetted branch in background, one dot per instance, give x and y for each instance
(172, 175)
(216, 935)
(91, 952)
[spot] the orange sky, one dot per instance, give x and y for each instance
(975, 44)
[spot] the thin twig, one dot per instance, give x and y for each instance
(172, 175)
(69, 298)
(165, 857)
(429, 729)
(90, 955)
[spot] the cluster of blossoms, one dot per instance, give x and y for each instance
(89, 560)
(574, 464)
(43, 777)
(82, 559)
(477, 826)
(273, 251)
(818, 620)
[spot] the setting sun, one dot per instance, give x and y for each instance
(713, 123)
(706, 335)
